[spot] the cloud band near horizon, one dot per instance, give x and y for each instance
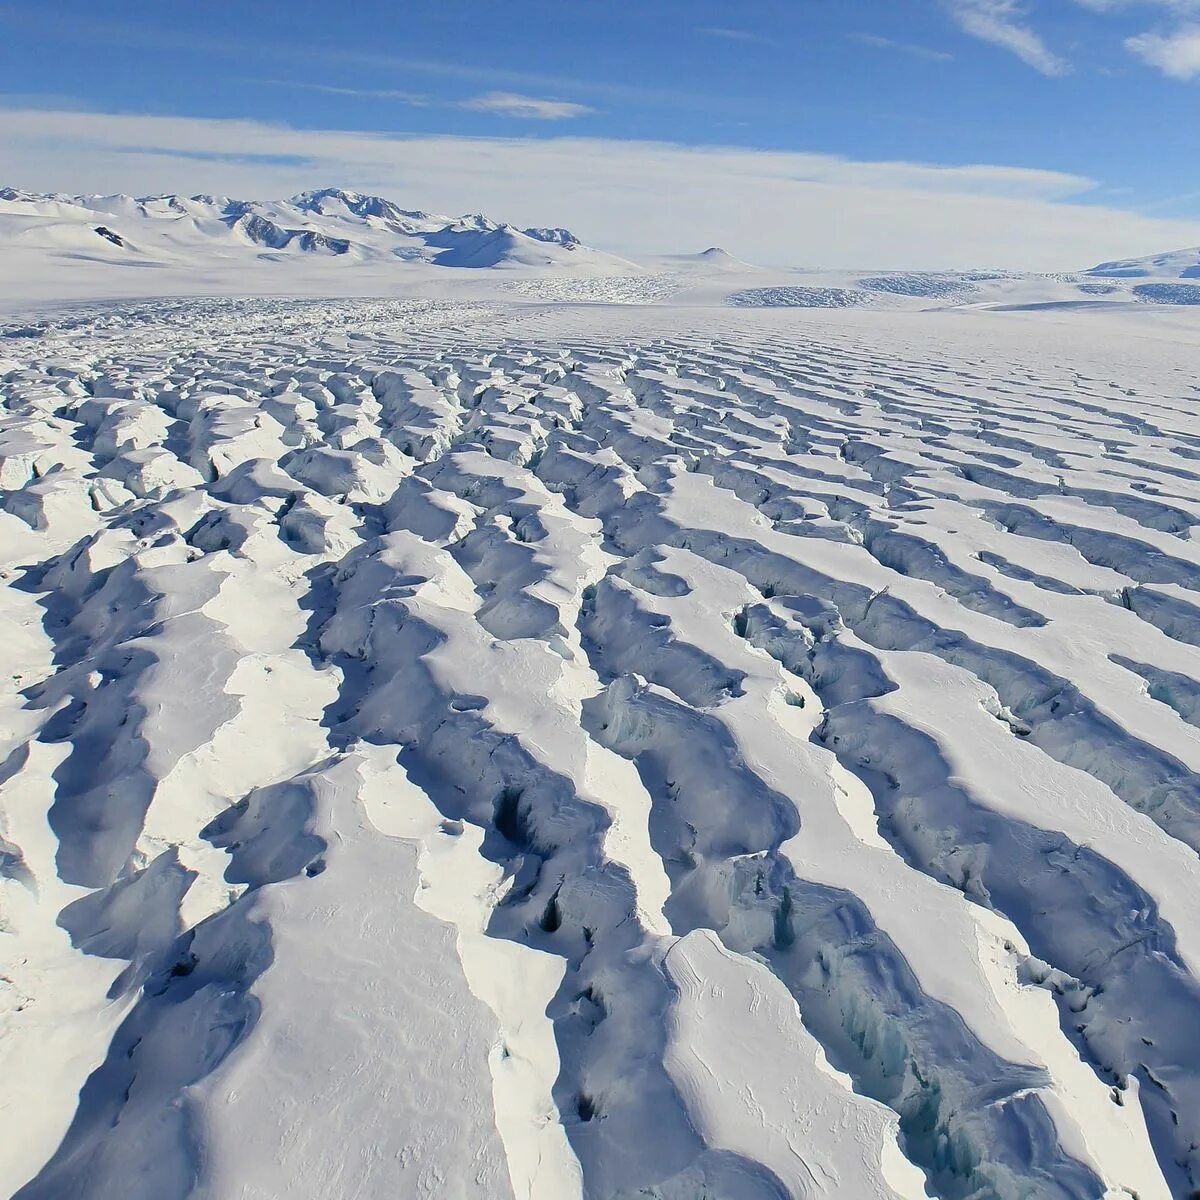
(631, 197)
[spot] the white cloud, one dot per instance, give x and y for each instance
(1001, 22)
(1176, 54)
(733, 35)
(883, 43)
(529, 108)
(630, 197)
(416, 99)
(504, 104)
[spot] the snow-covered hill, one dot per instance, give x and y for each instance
(1171, 278)
(203, 233)
(1175, 264)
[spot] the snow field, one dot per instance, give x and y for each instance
(470, 749)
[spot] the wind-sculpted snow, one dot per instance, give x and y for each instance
(482, 750)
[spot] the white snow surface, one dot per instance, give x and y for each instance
(588, 738)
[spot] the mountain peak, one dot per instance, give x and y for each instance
(555, 234)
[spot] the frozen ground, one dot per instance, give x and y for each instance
(543, 747)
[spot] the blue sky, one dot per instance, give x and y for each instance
(1069, 105)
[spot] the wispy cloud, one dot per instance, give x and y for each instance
(1176, 54)
(526, 108)
(631, 197)
(415, 99)
(883, 43)
(502, 104)
(1003, 24)
(733, 35)
(103, 30)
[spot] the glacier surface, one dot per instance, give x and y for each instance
(563, 743)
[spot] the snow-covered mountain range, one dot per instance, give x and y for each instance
(171, 229)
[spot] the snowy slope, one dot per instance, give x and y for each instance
(473, 749)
